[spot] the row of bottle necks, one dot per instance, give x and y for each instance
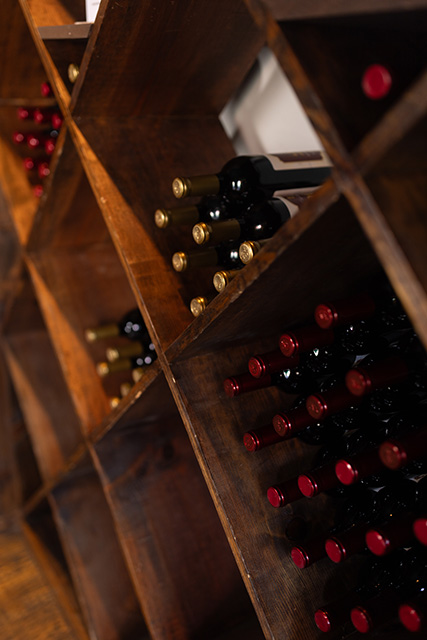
(241, 207)
(358, 372)
(36, 138)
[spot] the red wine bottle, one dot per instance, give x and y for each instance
(413, 612)
(283, 493)
(45, 115)
(131, 326)
(254, 178)
(270, 362)
(385, 307)
(398, 453)
(25, 113)
(303, 339)
(38, 139)
(259, 221)
(46, 90)
(260, 438)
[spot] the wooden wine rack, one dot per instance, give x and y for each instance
(159, 511)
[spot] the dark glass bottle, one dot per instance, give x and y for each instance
(411, 448)
(224, 255)
(44, 115)
(134, 348)
(303, 339)
(270, 362)
(131, 326)
(209, 209)
(384, 306)
(254, 178)
(38, 139)
(125, 364)
(259, 221)
(260, 438)
(292, 381)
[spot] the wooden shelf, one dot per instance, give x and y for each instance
(150, 519)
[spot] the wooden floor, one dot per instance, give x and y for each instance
(29, 606)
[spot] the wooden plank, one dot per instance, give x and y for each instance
(79, 31)
(56, 12)
(157, 72)
(167, 524)
(96, 564)
(307, 9)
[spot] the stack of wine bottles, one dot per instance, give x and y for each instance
(359, 375)
(135, 356)
(240, 208)
(39, 129)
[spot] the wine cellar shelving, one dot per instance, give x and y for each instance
(148, 517)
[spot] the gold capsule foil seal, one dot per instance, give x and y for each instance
(220, 280)
(201, 233)
(179, 261)
(161, 218)
(247, 250)
(198, 305)
(73, 72)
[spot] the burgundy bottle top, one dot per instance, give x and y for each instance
(307, 554)
(395, 454)
(29, 164)
(57, 121)
(49, 146)
(271, 362)
(322, 620)
(377, 542)
(243, 383)
(352, 469)
(335, 550)
(322, 405)
(376, 81)
(46, 89)
(420, 529)
(335, 314)
(284, 493)
(38, 190)
(410, 617)
(18, 137)
(259, 438)
(361, 619)
(292, 421)
(304, 339)
(363, 380)
(23, 113)
(321, 479)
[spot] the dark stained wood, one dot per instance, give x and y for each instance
(63, 52)
(335, 54)
(158, 72)
(96, 564)
(167, 524)
(20, 75)
(29, 606)
(306, 9)
(79, 31)
(10, 487)
(67, 315)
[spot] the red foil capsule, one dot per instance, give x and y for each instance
(322, 405)
(390, 536)
(335, 314)
(376, 82)
(315, 482)
(243, 383)
(420, 529)
(260, 438)
(412, 614)
(305, 555)
(351, 470)
(304, 339)
(344, 545)
(46, 89)
(364, 380)
(279, 495)
(271, 362)
(24, 113)
(395, 454)
(290, 422)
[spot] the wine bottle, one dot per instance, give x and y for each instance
(279, 495)
(305, 555)
(25, 113)
(134, 348)
(46, 90)
(303, 339)
(131, 325)
(224, 255)
(32, 163)
(249, 249)
(38, 190)
(396, 528)
(209, 209)
(44, 115)
(363, 380)
(289, 380)
(43, 170)
(398, 453)
(270, 362)
(254, 178)
(222, 278)
(124, 364)
(260, 438)
(325, 404)
(412, 612)
(259, 221)
(385, 307)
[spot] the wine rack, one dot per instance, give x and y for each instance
(150, 519)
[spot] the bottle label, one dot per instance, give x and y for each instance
(298, 160)
(293, 203)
